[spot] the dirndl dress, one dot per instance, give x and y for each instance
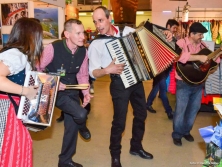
(15, 140)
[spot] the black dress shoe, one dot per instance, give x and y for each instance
(177, 142)
(85, 133)
(61, 118)
(150, 109)
(170, 115)
(142, 153)
(188, 137)
(70, 164)
(116, 162)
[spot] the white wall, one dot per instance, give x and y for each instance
(160, 18)
(88, 22)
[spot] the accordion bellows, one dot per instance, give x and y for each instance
(145, 52)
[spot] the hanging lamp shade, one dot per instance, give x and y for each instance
(71, 11)
(185, 13)
(124, 11)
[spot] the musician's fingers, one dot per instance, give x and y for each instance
(114, 60)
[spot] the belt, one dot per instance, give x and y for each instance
(114, 75)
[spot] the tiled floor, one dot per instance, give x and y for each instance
(95, 153)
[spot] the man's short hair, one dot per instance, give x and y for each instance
(68, 24)
(172, 22)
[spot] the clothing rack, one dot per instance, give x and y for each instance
(212, 18)
(201, 11)
(178, 11)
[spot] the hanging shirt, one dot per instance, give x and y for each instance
(207, 35)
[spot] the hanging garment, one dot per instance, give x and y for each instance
(213, 83)
(172, 83)
(214, 29)
(207, 35)
(218, 39)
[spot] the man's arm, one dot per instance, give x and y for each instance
(83, 77)
(46, 57)
(187, 56)
(83, 74)
(112, 68)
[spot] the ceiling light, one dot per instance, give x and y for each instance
(141, 12)
(166, 11)
(82, 14)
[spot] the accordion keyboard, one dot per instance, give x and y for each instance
(116, 51)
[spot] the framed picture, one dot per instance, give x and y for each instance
(12, 12)
(0, 34)
(48, 17)
(4, 39)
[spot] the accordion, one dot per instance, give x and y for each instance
(145, 52)
(37, 113)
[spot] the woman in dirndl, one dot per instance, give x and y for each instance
(18, 56)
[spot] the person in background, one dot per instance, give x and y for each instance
(69, 56)
(17, 57)
(188, 97)
(101, 64)
(159, 82)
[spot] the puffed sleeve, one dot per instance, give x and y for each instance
(15, 60)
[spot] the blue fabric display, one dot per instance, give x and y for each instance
(210, 134)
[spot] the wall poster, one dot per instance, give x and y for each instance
(12, 12)
(5, 39)
(48, 17)
(0, 34)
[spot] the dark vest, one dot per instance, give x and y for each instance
(70, 62)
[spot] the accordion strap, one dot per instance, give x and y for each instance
(100, 36)
(16, 107)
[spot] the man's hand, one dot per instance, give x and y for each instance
(113, 68)
(86, 99)
(203, 59)
(169, 35)
(62, 86)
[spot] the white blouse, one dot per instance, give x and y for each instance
(15, 60)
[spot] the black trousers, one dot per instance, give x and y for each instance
(74, 118)
(121, 98)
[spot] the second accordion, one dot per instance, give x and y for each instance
(37, 113)
(145, 52)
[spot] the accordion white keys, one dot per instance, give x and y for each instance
(145, 52)
(37, 113)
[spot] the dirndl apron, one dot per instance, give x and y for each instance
(15, 140)
(16, 143)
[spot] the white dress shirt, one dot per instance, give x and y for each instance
(98, 53)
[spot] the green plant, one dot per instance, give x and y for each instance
(68, 1)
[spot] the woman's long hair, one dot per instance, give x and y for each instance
(26, 36)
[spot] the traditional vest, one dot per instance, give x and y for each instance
(64, 58)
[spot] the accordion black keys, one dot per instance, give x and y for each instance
(145, 52)
(37, 113)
